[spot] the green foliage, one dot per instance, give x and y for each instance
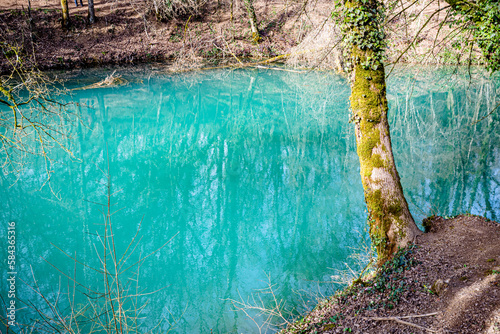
(176, 35)
(361, 26)
(389, 283)
(482, 17)
(214, 52)
(428, 290)
(334, 318)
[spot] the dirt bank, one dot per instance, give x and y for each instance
(298, 31)
(448, 283)
(126, 34)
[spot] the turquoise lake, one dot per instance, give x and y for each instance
(251, 176)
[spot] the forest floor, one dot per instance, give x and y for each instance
(125, 33)
(300, 32)
(449, 282)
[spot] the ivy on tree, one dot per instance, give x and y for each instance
(391, 225)
(482, 17)
(361, 27)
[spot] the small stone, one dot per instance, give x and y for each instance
(439, 286)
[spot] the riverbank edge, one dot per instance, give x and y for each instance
(440, 284)
(214, 40)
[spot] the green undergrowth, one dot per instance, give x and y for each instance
(388, 282)
(383, 288)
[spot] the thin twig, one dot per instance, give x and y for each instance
(398, 320)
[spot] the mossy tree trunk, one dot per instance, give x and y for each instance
(65, 14)
(390, 222)
(252, 18)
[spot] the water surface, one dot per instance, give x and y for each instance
(254, 176)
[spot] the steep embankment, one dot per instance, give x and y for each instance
(448, 283)
(128, 33)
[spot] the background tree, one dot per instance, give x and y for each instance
(65, 14)
(390, 223)
(252, 18)
(91, 12)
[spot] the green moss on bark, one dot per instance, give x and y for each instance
(389, 217)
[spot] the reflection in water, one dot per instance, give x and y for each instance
(449, 161)
(255, 171)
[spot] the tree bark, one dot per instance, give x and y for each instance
(91, 12)
(390, 223)
(252, 18)
(65, 14)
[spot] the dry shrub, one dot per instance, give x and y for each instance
(319, 49)
(175, 9)
(186, 60)
(419, 32)
(318, 36)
